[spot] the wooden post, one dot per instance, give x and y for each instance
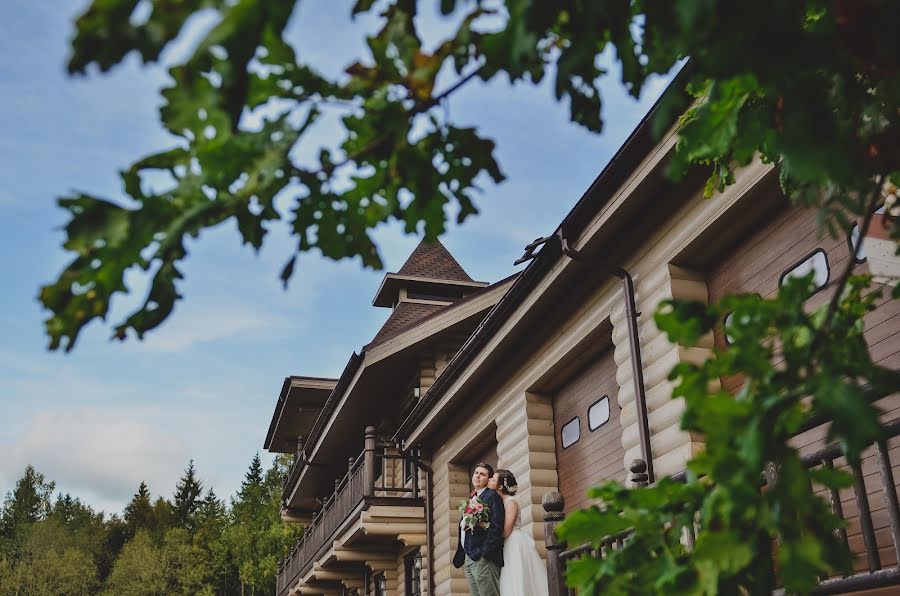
(369, 462)
(415, 475)
(554, 503)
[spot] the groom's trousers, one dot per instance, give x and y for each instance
(483, 576)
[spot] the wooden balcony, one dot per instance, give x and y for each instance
(377, 508)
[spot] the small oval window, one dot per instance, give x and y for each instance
(817, 263)
(598, 413)
(728, 319)
(571, 432)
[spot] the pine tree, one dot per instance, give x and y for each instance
(212, 511)
(28, 503)
(187, 499)
(139, 511)
(254, 475)
(257, 538)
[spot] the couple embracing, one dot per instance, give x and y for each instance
(499, 559)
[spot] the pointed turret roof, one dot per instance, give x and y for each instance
(432, 260)
(429, 270)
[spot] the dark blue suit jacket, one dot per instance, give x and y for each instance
(484, 543)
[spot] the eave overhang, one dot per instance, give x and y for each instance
(388, 291)
(299, 404)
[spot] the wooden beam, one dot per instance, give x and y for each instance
(330, 575)
(393, 512)
(394, 529)
(363, 556)
(413, 539)
(321, 591)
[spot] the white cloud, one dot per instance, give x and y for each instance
(201, 325)
(96, 454)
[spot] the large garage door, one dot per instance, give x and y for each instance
(588, 433)
(790, 242)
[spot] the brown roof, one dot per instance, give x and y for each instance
(403, 316)
(433, 260)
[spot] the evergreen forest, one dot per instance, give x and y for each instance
(53, 544)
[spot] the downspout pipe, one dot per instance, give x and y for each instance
(637, 367)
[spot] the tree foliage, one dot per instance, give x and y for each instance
(812, 84)
(187, 500)
(28, 502)
(65, 547)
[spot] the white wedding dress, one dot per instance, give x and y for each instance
(524, 572)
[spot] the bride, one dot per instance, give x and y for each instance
(523, 573)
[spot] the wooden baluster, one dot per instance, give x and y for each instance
(865, 517)
(890, 494)
(836, 508)
(554, 504)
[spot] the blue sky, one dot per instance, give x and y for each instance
(105, 417)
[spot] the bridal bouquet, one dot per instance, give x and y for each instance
(474, 514)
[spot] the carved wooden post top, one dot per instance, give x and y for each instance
(553, 503)
(639, 476)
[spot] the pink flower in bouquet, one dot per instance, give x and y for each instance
(475, 514)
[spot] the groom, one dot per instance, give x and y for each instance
(480, 551)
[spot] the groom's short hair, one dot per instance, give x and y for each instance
(488, 467)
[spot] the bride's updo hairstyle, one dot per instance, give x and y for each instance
(506, 482)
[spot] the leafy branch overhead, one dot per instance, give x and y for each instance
(811, 84)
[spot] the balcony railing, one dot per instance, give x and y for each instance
(367, 480)
(871, 546)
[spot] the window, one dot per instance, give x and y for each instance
(598, 413)
(817, 263)
(413, 572)
(571, 432)
(853, 240)
(728, 319)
